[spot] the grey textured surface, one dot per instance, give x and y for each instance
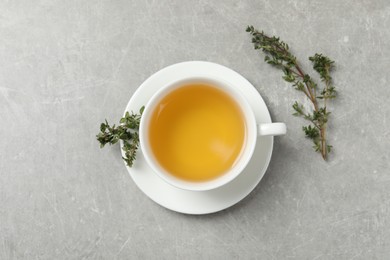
(67, 65)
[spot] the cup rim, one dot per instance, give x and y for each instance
(242, 160)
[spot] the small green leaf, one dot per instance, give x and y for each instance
(103, 127)
(289, 78)
(317, 147)
(311, 132)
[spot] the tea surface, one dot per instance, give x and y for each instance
(197, 132)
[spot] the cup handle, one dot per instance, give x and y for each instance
(271, 129)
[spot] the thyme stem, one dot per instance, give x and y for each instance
(278, 54)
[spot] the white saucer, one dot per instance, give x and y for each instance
(201, 202)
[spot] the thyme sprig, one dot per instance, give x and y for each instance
(125, 131)
(278, 54)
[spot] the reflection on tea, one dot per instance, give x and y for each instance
(197, 132)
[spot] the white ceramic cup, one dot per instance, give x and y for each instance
(253, 130)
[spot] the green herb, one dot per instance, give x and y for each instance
(278, 54)
(126, 131)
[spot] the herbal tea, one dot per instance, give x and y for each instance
(197, 132)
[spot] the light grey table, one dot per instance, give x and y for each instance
(67, 65)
